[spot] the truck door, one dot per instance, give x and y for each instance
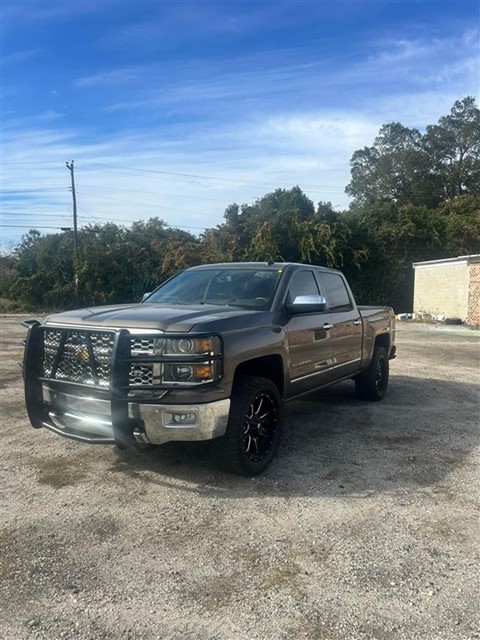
(347, 331)
(309, 340)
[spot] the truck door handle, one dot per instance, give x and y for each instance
(327, 326)
(357, 322)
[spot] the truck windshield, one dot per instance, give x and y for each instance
(248, 288)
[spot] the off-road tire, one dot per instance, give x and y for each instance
(372, 384)
(254, 427)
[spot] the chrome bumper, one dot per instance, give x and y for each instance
(90, 419)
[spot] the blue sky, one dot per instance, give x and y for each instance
(178, 109)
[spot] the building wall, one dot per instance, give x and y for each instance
(443, 289)
(473, 317)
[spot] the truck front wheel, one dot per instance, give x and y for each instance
(373, 382)
(254, 427)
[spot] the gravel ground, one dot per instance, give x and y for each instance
(366, 526)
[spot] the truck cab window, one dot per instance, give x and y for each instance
(335, 292)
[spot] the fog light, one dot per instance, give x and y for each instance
(180, 419)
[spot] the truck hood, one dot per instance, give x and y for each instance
(155, 316)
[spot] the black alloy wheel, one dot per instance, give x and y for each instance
(260, 427)
(254, 427)
(372, 384)
(381, 378)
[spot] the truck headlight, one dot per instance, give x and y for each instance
(184, 345)
(181, 372)
(208, 346)
(174, 359)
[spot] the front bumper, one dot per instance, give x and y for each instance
(90, 419)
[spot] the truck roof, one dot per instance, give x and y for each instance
(257, 265)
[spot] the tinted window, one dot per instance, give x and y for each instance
(335, 292)
(303, 284)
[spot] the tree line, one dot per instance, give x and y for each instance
(414, 197)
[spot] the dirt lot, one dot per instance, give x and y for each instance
(365, 527)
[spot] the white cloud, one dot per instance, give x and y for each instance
(250, 124)
(122, 76)
(241, 164)
(286, 81)
(32, 11)
(20, 56)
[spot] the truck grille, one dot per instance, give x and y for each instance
(141, 374)
(85, 357)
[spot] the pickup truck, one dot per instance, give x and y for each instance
(212, 354)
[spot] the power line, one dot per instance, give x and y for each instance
(196, 176)
(96, 219)
(41, 213)
(185, 175)
(52, 162)
(26, 226)
(141, 204)
(33, 188)
(167, 224)
(156, 193)
(137, 170)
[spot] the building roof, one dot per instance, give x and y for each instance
(458, 260)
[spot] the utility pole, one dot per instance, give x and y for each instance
(74, 197)
(75, 229)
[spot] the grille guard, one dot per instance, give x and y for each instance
(118, 391)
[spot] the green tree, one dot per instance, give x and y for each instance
(459, 222)
(405, 166)
(114, 264)
(392, 170)
(263, 246)
(453, 149)
(222, 244)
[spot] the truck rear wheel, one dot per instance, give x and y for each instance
(254, 427)
(372, 384)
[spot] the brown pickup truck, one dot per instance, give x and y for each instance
(212, 354)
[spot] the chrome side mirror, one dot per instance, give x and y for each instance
(307, 304)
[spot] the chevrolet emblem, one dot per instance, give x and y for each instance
(83, 354)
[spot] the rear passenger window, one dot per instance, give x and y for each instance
(335, 292)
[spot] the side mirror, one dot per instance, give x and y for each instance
(307, 304)
(145, 296)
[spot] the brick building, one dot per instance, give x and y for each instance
(449, 288)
